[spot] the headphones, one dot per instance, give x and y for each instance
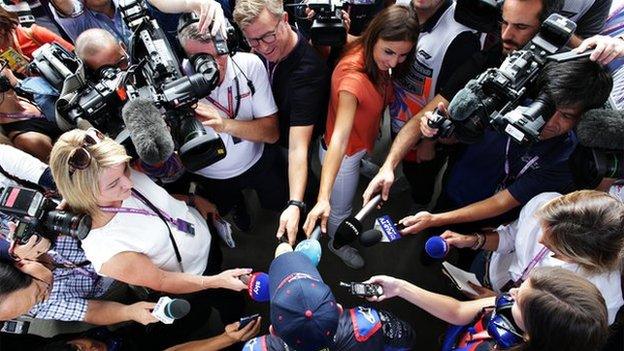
(501, 326)
(228, 45)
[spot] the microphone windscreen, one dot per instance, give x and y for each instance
(347, 232)
(370, 237)
(603, 129)
(148, 131)
(466, 102)
(177, 308)
(436, 247)
(312, 249)
(258, 287)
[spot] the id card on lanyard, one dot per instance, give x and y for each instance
(508, 178)
(181, 224)
(527, 270)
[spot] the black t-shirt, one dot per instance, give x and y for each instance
(300, 85)
(475, 65)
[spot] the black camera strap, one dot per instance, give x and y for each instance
(22, 182)
(153, 207)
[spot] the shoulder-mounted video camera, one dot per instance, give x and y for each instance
(493, 98)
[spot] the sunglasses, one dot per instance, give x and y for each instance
(80, 158)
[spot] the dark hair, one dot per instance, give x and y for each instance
(394, 23)
(577, 83)
(549, 7)
(563, 311)
(12, 279)
(8, 20)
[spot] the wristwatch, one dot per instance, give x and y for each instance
(300, 204)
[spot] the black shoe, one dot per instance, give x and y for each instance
(240, 218)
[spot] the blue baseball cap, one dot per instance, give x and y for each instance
(304, 312)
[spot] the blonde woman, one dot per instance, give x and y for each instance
(582, 232)
(141, 235)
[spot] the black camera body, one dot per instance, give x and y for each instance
(328, 27)
(37, 215)
(499, 91)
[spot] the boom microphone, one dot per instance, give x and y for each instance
(148, 131)
(602, 129)
(351, 227)
(167, 309)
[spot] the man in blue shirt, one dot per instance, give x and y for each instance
(496, 175)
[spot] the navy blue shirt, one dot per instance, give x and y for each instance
(479, 170)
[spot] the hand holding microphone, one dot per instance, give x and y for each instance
(418, 222)
(167, 310)
(459, 240)
(257, 286)
(320, 211)
(382, 182)
(351, 227)
(311, 247)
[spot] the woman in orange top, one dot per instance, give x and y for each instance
(24, 41)
(360, 90)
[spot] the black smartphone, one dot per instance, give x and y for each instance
(246, 320)
(363, 289)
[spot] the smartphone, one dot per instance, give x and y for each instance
(246, 320)
(363, 289)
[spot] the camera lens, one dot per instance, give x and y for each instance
(66, 223)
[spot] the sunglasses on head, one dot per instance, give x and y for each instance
(80, 158)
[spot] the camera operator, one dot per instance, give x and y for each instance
(23, 122)
(242, 110)
(521, 22)
(76, 16)
(300, 85)
(494, 176)
(98, 48)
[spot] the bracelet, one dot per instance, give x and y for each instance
(480, 241)
(300, 204)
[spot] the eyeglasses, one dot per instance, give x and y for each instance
(268, 38)
(80, 158)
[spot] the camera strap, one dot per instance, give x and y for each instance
(22, 182)
(181, 224)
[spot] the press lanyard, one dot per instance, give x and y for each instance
(522, 171)
(537, 259)
(179, 223)
(160, 215)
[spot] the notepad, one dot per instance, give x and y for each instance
(460, 278)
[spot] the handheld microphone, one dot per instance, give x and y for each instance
(148, 131)
(436, 247)
(385, 230)
(351, 227)
(311, 247)
(257, 286)
(168, 310)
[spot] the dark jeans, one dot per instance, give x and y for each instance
(265, 177)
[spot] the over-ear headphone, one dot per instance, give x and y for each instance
(229, 45)
(501, 326)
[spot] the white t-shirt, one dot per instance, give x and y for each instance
(20, 165)
(241, 154)
(518, 245)
(148, 235)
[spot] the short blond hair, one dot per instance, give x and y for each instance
(246, 11)
(81, 190)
